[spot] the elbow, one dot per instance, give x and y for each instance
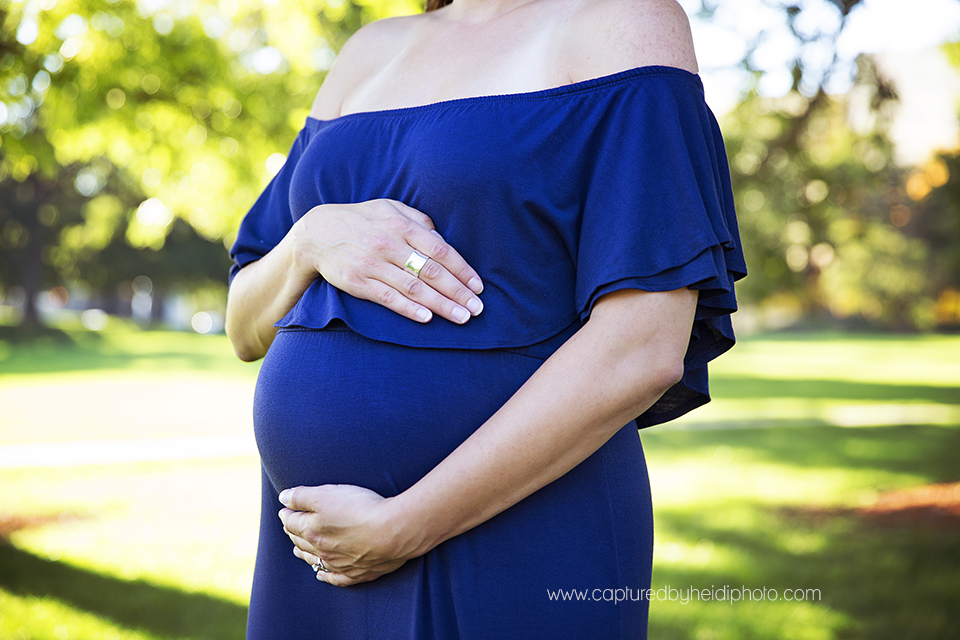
(652, 377)
(669, 374)
(245, 351)
(239, 327)
(247, 355)
(659, 375)
(242, 345)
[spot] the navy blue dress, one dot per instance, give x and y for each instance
(555, 197)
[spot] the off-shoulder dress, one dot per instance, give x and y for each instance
(555, 197)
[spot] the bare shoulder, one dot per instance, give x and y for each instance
(367, 50)
(608, 36)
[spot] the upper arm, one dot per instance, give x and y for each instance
(367, 51)
(608, 36)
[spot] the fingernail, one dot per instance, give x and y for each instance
(475, 285)
(461, 315)
(436, 233)
(475, 306)
(423, 315)
(285, 497)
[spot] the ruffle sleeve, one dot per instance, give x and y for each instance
(270, 218)
(659, 215)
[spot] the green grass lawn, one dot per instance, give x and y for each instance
(776, 485)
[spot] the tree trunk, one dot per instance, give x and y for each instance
(33, 254)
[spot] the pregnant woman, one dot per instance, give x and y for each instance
(503, 240)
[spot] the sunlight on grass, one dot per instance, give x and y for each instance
(931, 360)
(190, 525)
(138, 542)
(696, 482)
(743, 620)
(847, 381)
(805, 412)
(124, 383)
(32, 618)
(138, 404)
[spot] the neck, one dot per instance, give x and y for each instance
(483, 10)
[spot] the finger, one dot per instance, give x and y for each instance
(304, 548)
(307, 557)
(298, 498)
(389, 297)
(302, 543)
(295, 522)
(315, 562)
(432, 245)
(436, 272)
(428, 241)
(448, 286)
(356, 576)
(339, 580)
(420, 291)
(414, 214)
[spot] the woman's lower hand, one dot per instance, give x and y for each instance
(362, 248)
(344, 532)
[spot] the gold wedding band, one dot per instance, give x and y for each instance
(415, 262)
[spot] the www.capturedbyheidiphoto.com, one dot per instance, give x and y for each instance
(713, 594)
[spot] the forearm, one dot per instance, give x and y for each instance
(262, 293)
(608, 373)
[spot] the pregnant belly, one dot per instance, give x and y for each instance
(334, 407)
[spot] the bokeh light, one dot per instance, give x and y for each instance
(202, 322)
(95, 319)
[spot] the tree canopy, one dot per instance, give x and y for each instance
(133, 135)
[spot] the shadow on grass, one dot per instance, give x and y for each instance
(24, 335)
(137, 605)
(746, 387)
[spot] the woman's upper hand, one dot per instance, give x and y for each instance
(362, 248)
(349, 528)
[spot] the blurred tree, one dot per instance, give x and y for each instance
(935, 190)
(935, 218)
(831, 225)
(131, 126)
(118, 119)
(821, 205)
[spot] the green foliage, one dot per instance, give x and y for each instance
(124, 118)
(823, 208)
(936, 189)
